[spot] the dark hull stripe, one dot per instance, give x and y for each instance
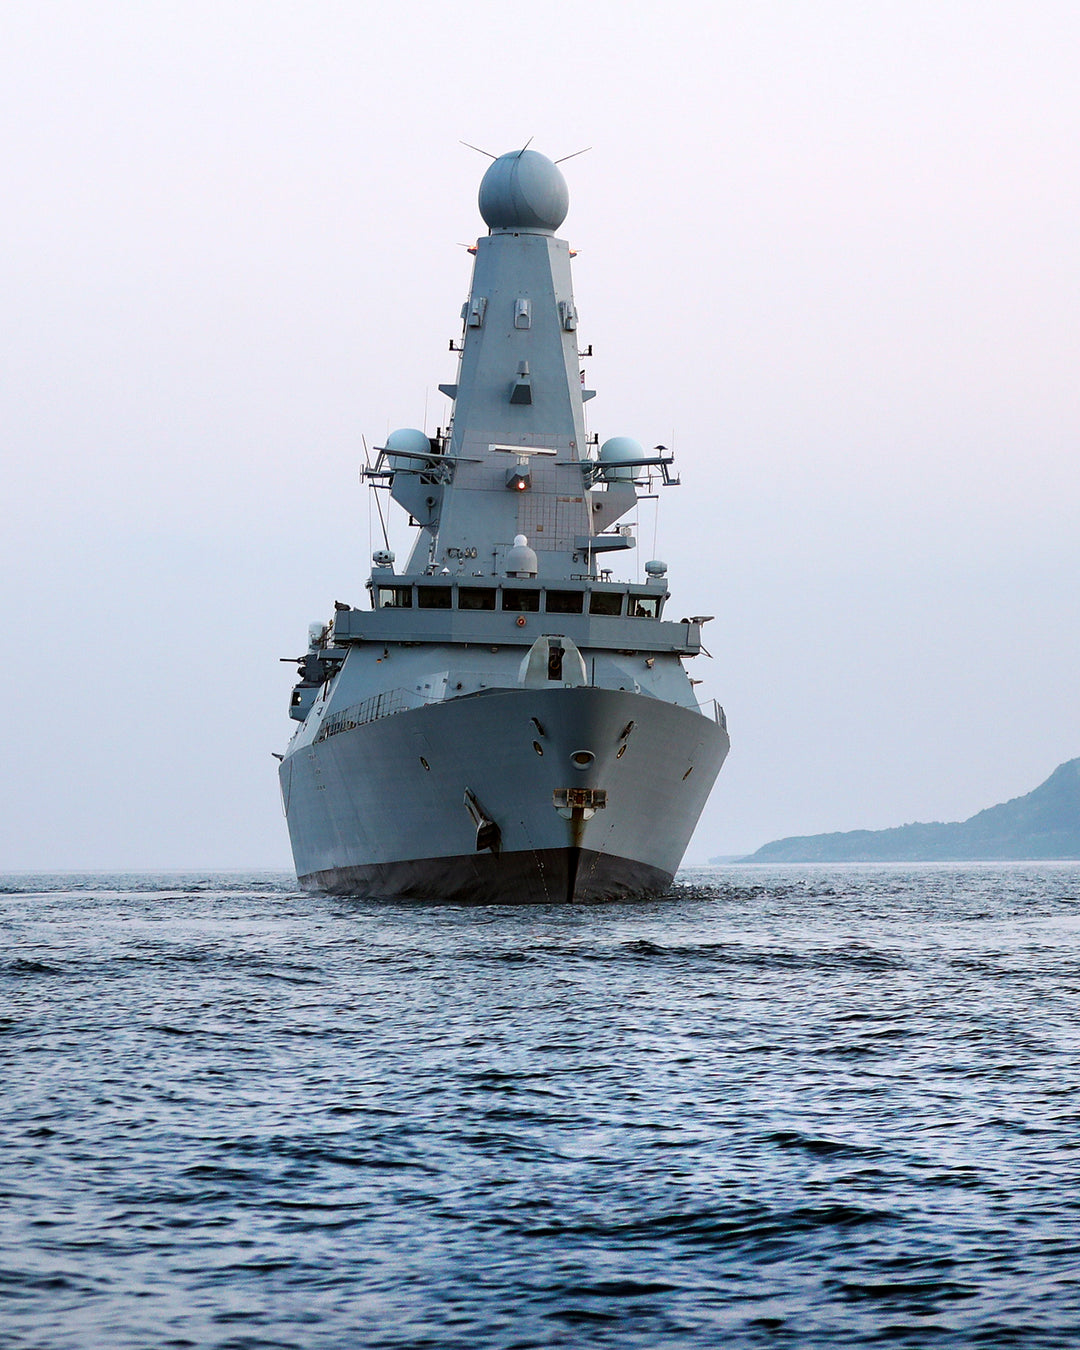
(539, 877)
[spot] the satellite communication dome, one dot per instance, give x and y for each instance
(408, 438)
(521, 559)
(524, 190)
(617, 451)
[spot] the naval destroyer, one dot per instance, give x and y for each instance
(505, 720)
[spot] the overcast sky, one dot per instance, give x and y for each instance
(828, 251)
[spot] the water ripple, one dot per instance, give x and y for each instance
(780, 1107)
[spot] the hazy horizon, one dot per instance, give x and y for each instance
(828, 254)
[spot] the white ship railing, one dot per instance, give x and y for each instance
(391, 701)
(710, 708)
(383, 704)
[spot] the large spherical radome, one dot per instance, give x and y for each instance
(524, 190)
(613, 456)
(409, 439)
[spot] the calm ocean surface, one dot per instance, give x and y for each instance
(791, 1106)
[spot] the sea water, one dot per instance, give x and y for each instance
(798, 1106)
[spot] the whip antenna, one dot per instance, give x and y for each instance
(478, 150)
(378, 504)
(574, 155)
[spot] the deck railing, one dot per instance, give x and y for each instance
(391, 701)
(383, 704)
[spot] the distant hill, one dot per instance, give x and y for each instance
(1044, 824)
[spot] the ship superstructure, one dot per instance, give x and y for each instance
(505, 722)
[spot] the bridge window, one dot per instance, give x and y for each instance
(395, 597)
(521, 602)
(605, 602)
(433, 597)
(644, 606)
(565, 602)
(476, 597)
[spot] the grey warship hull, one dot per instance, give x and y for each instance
(381, 808)
(506, 721)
